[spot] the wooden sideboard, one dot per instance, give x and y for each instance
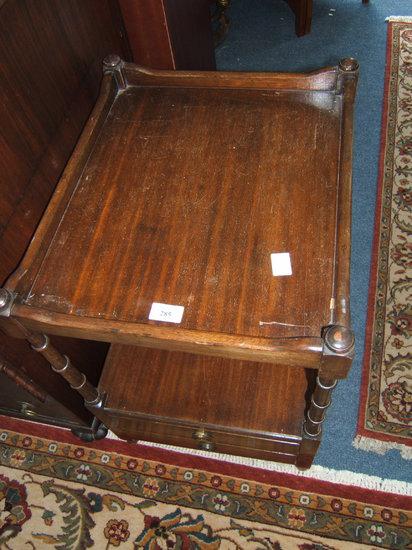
(50, 73)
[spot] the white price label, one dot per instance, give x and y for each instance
(166, 312)
(281, 264)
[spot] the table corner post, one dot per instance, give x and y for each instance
(114, 65)
(338, 351)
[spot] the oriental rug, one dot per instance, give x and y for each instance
(385, 418)
(56, 492)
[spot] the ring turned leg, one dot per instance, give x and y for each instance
(312, 425)
(62, 365)
(320, 401)
(41, 343)
(337, 357)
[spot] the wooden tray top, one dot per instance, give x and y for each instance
(181, 188)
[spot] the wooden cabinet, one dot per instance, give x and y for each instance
(50, 70)
(202, 227)
(170, 34)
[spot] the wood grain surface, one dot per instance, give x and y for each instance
(186, 195)
(51, 56)
(179, 191)
(170, 34)
(181, 188)
(228, 406)
(204, 390)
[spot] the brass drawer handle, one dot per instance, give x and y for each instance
(27, 409)
(201, 435)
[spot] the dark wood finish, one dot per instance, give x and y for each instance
(316, 81)
(50, 72)
(190, 31)
(180, 188)
(238, 293)
(320, 401)
(49, 80)
(88, 356)
(170, 34)
(148, 33)
(347, 86)
(21, 379)
(156, 395)
(291, 351)
(62, 365)
(303, 15)
(17, 402)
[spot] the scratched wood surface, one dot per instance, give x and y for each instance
(185, 196)
(179, 190)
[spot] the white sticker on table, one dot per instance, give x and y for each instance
(166, 312)
(281, 264)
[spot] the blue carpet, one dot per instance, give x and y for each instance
(262, 38)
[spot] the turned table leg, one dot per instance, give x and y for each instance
(62, 365)
(314, 418)
(337, 357)
(58, 362)
(303, 15)
(320, 401)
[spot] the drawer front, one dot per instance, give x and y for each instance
(44, 413)
(207, 438)
(17, 402)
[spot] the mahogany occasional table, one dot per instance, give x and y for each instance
(202, 227)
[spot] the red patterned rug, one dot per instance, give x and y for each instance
(385, 418)
(56, 492)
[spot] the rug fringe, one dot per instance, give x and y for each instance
(321, 473)
(381, 447)
(402, 18)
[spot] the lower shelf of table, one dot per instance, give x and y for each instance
(224, 405)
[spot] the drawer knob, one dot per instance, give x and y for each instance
(206, 446)
(204, 439)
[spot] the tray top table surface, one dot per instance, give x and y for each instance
(182, 195)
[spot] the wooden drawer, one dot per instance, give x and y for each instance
(218, 439)
(209, 403)
(15, 401)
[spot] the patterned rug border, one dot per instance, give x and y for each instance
(365, 439)
(83, 482)
(397, 492)
(305, 511)
(317, 474)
